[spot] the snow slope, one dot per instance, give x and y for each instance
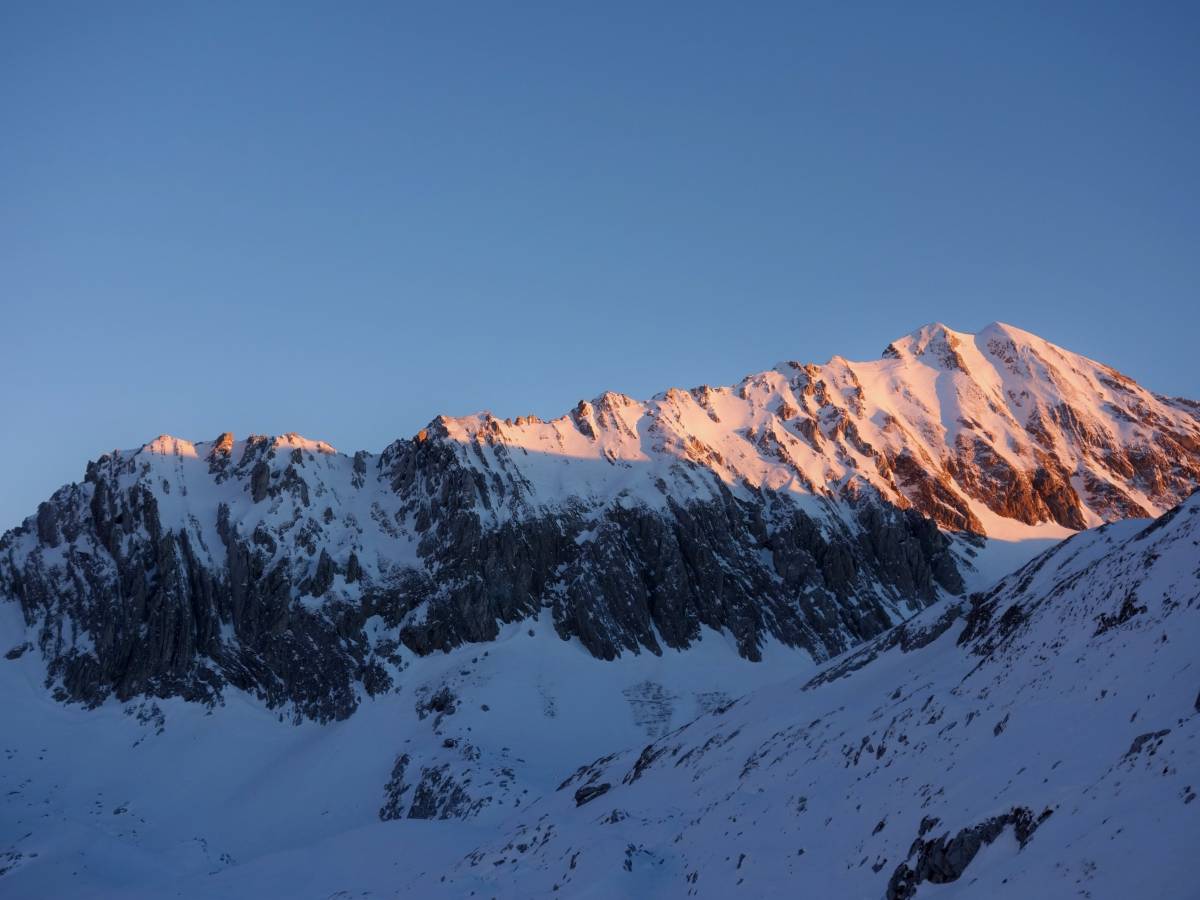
(1072, 686)
(1059, 716)
(979, 431)
(153, 797)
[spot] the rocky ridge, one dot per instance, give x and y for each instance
(812, 505)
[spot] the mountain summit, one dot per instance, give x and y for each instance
(970, 430)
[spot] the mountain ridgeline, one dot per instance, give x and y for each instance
(814, 506)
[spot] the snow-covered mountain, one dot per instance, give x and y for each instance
(1042, 740)
(456, 625)
(798, 506)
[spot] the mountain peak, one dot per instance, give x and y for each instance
(169, 445)
(295, 441)
(935, 341)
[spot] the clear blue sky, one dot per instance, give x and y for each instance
(343, 219)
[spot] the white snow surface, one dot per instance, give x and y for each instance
(810, 430)
(812, 784)
(166, 798)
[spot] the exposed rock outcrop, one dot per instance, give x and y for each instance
(943, 859)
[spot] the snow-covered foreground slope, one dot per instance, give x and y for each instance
(150, 797)
(933, 753)
(1043, 741)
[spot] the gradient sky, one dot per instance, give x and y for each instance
(343, 219)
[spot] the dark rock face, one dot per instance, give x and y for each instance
(126, 603)
(1042, 494)
(933, 491)
(590, 792)
(47, 525)
(645, 575)
(437, 794)
(453, 781)
(323, 579)
(394, 806)
(153, 613)
(944, 859)
(260, 481)
(1129, 608)
(1149, 741)
(441, 703)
